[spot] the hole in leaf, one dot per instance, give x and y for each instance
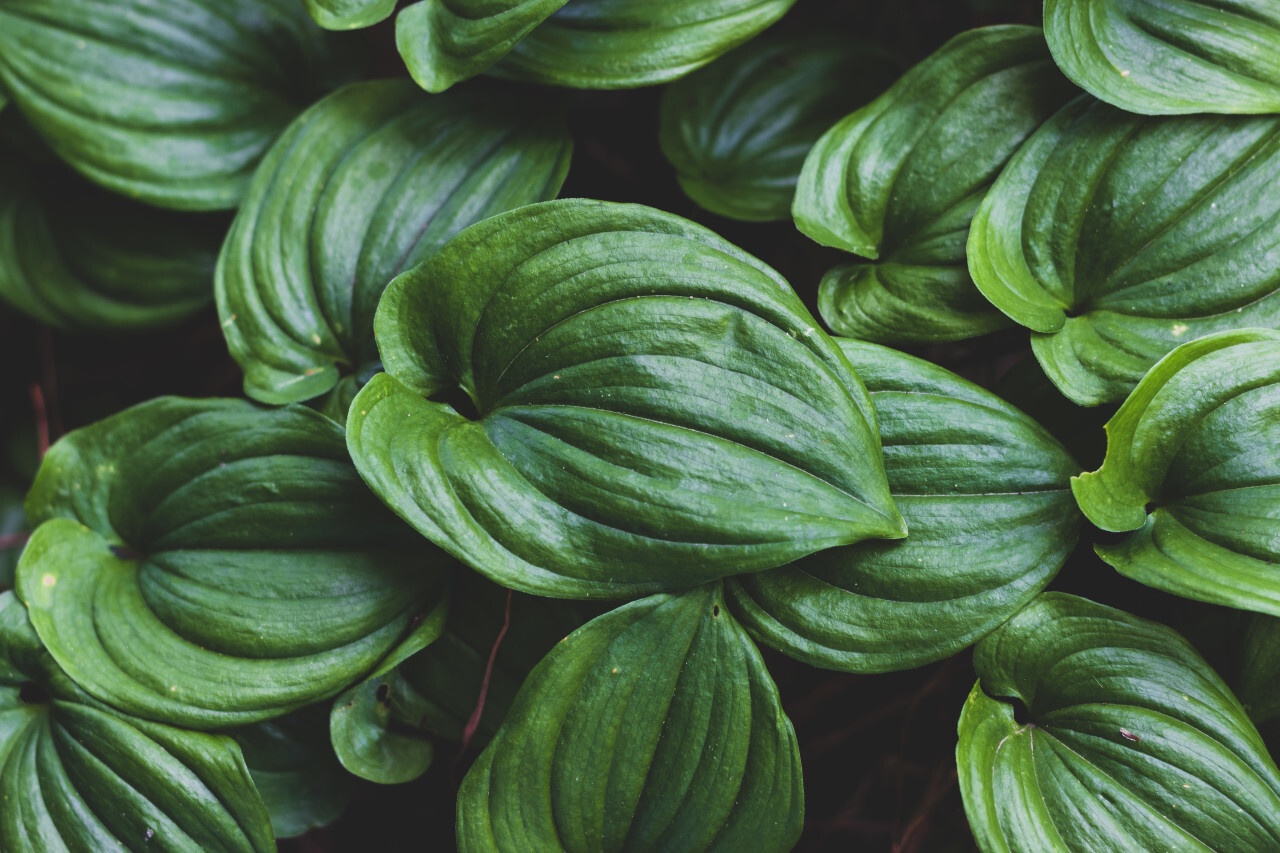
(715, 611)
(459, 400)
(30, 693)
(383, 693)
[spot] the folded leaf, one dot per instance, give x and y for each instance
(1162, 57)
(985, 492)
(349, 14)
(656, 407)
(653, 727)
(898, 181)
(365, 184)
(1131, 743)
(209, 563)
(1115, 238)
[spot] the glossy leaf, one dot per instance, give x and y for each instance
(349, 14)
(653, 727)
(1132, 742)
(898, 181)
(365, 184)
(656, 407)
(589, 44)
(1115, 238)
(209, 563)
(171, 103)
(738, 130)
(1162, 57)
(985, 492)
(1256, 683)
(1191, 471)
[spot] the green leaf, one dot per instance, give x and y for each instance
(1162, 57)
(349, 14)
(738, 130)
(1132, 742)
(210, 564)
(1259, 661)
(588, 44)
(984, 490)
(77, 775)
(653, 727)
(656, 407)
(365, 184)
(1115, 238)
(1191, 469)
(170, 103)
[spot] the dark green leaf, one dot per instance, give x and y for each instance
(653, 727)
(656, 407)
(1132, 742)
(13, 521)
(349, 14)
(898, 181)
(1257, 684)
(1115, 238)
(367, 183)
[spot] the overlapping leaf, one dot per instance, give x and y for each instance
(1132, 741)
(898, 181)
(172, 103)
(1115, 238)
(656, 407)
(349, 14)
(985, 492)
(1192, 471)
(653, 727)
(1162, 57)
(208, 563)
(368, 182)
(590, 44)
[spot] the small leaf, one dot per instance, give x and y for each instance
(653, 727)
(349, 14)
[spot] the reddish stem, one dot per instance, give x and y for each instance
(14, 540)
(469, 731)
(42, 419)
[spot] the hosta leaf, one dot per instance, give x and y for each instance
(349, 14)
(656, 407)
(591, 44)
(367, 183)
(172, 103)
(653, 727)
(76, 775)
(1191, 469)
(1161, 57)
(738, 130)
(1132, 742)
(985, 492)
(209, 563)
(1115, 238)
(898, 181)
(1257, 684)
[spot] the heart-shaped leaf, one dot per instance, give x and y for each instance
(1162, 57)
(209, 563)
(1191, 469)
(1115, 238)
(172, 103)
(367, 183)
(349, 14)
(738, 130)
(985, 492)
(656, 407)
(1131, 742)
(898, 181)
(653, 727)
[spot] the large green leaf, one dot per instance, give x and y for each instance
(76, 775)
(209, 563)
(1256, 682)
(656, 407)
(985, 492)
(1115, 238)
(172, 103)
(653, 727)
(1162, 57)
(349, 14)
(590, 44)
(898, 181)
(1192, 470)
(367, 183)
(1131, 741)
(738, 130)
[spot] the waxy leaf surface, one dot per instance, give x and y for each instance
(656, 407)
(1132, 742)
(653, 727)
(1114, 238)
(368, 182)
(349, 14)
(898, 181)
